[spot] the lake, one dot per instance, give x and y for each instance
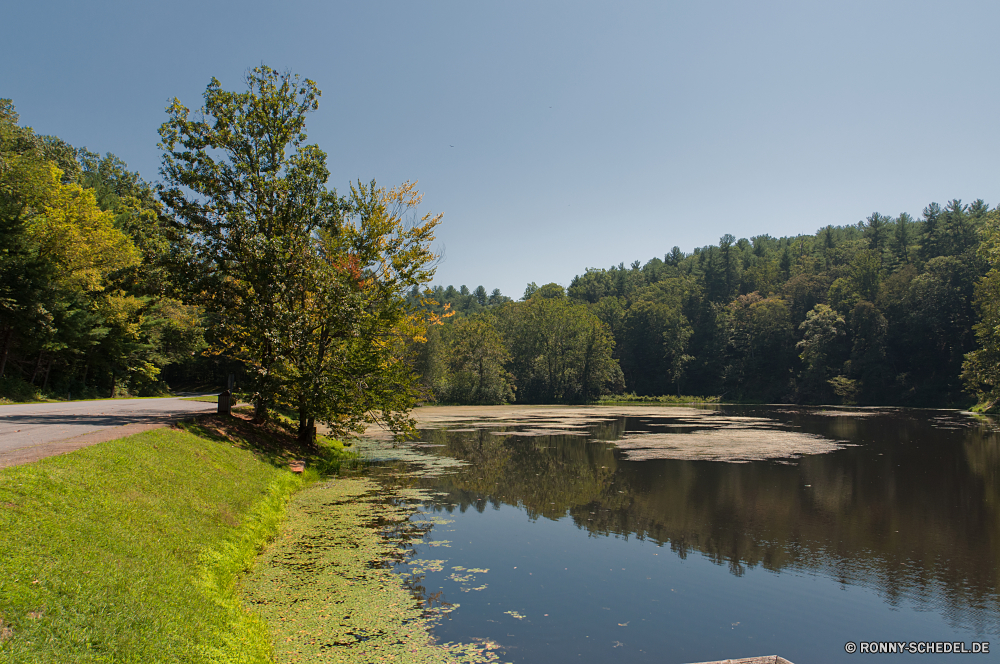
(656, 534)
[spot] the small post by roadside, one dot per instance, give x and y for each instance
(225, 403)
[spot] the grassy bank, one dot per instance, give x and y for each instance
(668, 399)
(129, 551)
(987, 408)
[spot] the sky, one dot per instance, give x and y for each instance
(558, 136)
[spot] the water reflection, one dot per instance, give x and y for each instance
(910, 509)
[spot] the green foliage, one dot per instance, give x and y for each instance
(144, 569)
(879, 312)
(476, 356)
(241, 181)
(547, 291)
(440, 300)
(546, 349)
(560, 351)
(869, 333)
(346, 358)
(308, 289)
(981, 369)
(821, 349)
(82, 273)
(15, 389)
(655, 335)
(106, 290)
(761, 345)
(902, 289)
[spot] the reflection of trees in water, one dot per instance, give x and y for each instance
(608, 430)
(542, 474)
(913, 511)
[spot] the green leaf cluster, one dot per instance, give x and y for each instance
(546, 349)
(86, 298)
(307, 288)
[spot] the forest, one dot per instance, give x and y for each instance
(239, 260)
(111, 285)
(89, 270)
(887, 311)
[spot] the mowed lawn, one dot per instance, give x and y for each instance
(129, 551)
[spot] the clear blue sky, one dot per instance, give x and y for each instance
(585, 134)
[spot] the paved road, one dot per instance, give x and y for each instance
(32, 425)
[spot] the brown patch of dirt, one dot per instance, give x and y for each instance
(269, 439)
(28, 454)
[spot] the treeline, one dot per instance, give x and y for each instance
(545, 349)
(89, 298)
(892, 310)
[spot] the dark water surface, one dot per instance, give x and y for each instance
(592, 557)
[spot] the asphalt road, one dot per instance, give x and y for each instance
(39, 424)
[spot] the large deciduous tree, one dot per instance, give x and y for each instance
(308, 288)
(560, 351)
(476, 359)
(347, 349)
(249, 190)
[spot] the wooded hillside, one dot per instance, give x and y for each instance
(884, 311)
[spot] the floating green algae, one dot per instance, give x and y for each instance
(325, 588)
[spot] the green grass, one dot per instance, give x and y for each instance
(664, 399)
(212, 398)
(130, 551)
(987, 408)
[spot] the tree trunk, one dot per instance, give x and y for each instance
(307, 430)
(48, 370)
(7, 336)
(38, 365)
(303, 424)
(259, 410)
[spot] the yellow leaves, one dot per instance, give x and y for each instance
(438, 319)
(404, 196)
(122, 312)
(146, 371)
(28, 180)
(72, 231)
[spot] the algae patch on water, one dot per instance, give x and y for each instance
(725, 444)
(325, 588)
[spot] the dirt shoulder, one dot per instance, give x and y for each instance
(29, 432)
(21, 455)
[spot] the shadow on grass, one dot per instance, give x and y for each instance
(275, 442)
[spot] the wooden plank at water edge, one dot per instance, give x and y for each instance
(766, 659)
